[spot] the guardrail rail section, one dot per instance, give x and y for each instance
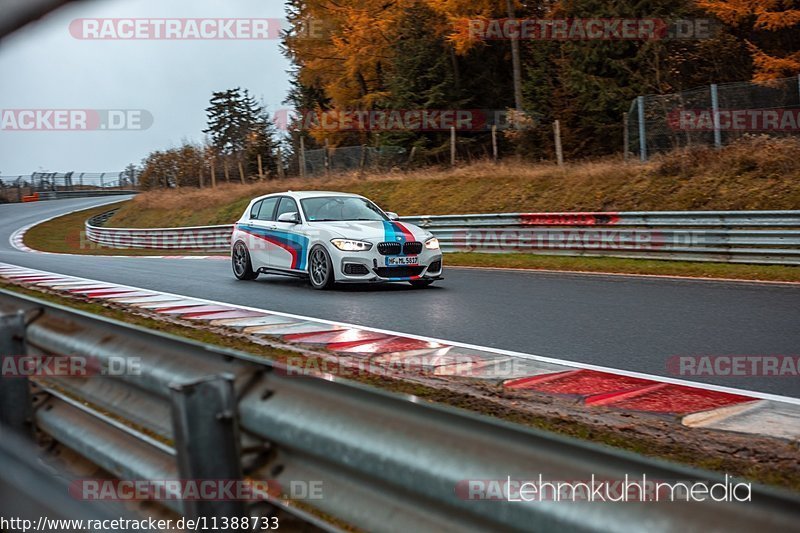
(767, 237)
(384, 462)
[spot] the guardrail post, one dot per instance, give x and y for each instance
(207, 440)
(15, 399)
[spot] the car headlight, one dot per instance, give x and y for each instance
(432, 244)
(347, 245)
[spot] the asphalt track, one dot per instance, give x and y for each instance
(630, 323)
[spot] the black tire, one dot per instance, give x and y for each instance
(320, 268)
(421, 283)
(240, 261)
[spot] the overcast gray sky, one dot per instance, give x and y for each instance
(44, 67)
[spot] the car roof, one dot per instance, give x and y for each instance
(300, 195)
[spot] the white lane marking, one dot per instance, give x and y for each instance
(624, 275)
(499, 351)
(16, 240)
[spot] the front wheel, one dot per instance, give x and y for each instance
(320, 269)
(242, 267)
(420, 283)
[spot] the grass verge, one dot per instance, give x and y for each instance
(769, 462)
(755, 173)
(627, 266)
(66, 235)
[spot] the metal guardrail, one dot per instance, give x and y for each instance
(769, 237)
(88, 193)
(205, 238)
(384, 462)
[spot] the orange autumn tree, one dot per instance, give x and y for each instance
(773, 27)
(348, 63)
(354, 59)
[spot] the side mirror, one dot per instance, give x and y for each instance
(291, 218)
(392, 216)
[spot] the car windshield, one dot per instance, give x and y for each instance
(340, 208)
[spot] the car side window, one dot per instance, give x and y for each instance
(267, 209)
(254, 211)
(287, 205)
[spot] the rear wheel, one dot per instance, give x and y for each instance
(320, 269)
(242, 267)
(421, 283)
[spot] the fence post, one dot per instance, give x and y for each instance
(715, 114)
(15, 400)
(642, 130)
(207, 442)
(411, 157)
(362, 160)
(279, 156)
(559, 151)
(494, 142)
(326, 159)
(452, 146)
(625, 136)
(302, 160)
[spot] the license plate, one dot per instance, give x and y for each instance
(402, 261)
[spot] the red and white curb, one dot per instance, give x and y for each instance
(697, 405)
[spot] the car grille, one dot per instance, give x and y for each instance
(436, 266)
(389, 248)
(412, 248)
(398, 272)
(354, 269)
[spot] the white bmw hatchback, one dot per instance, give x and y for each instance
(331, 237)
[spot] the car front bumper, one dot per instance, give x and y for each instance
(372, 267)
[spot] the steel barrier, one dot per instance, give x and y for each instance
(88, 193)
(382, 462)
(767, 237)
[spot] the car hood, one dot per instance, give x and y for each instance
(377, 231)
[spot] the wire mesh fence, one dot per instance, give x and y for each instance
(712, 116)
(15, 188)
(349, 158)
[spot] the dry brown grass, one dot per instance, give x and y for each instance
(757, 173)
